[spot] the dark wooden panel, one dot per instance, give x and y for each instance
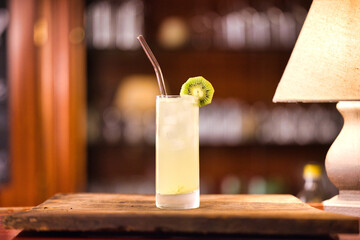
(219, 214)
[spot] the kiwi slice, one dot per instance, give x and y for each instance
(198, 87)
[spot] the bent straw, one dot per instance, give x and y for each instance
(155, 64)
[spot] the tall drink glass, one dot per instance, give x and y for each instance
(177, 152)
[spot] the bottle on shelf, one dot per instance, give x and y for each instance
(312, 190)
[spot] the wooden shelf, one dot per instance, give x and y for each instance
(248, 76)
(111, 163)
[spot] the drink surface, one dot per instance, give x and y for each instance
(177, 145)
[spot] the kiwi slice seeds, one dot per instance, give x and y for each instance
(200, 88)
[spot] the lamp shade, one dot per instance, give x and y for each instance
(325, 63)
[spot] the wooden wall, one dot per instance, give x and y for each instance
(46, 65)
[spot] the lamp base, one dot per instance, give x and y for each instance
(347, 202)
(343, 162)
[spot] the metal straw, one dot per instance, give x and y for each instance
(155, 64)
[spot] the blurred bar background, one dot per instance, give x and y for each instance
(71, 60)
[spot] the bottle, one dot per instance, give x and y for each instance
(312, 191)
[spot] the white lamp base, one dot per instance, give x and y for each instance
(343, 163)
(347, 202)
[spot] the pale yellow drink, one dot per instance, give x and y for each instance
(177, 152)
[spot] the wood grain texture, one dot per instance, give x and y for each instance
(218, 214)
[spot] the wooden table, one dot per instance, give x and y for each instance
(7, 234)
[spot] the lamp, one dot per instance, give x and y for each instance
(325, 67)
